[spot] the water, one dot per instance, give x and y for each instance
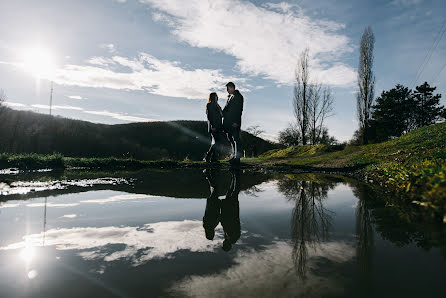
(141, 234)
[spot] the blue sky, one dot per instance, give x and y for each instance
(117, 61)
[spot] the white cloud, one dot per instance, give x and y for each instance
(119, 116)
(155, 240)
(405, 3)
(282, 6)
(69, 216)
(270, 272)
(74, 96)
(109, 47)
(265, 42)
(14, 104)
(147, 73)
(105, 113)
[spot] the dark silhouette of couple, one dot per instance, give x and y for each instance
(226, 121)
(224, 211)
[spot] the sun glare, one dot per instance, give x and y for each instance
(27, 254)
(38, 61)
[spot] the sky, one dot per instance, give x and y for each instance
(121, 61)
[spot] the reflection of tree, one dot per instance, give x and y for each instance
(310, 222)
(365, 240)
(253, 191)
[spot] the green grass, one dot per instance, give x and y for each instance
(412, 166)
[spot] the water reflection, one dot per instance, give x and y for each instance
(226, 211)
(311, 221)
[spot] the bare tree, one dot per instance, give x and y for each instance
(321, 107)
(312, 103)
(255, 130)
(2, 97)
(366, 82)
(301, 96)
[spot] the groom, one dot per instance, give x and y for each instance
(232, 120)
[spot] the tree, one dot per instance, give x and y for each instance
(2, 97)
(255, 130)
(427, 105)
(301, 94)
(326, 139)
(312, 102)
(393, 113)
(366, 81)
(321, 106)
(290, 136)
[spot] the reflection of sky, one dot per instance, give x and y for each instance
(139, 244)
(161, 240)
(269, 272)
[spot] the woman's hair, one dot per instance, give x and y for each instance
(212, 97)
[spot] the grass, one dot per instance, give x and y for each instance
(412, 166)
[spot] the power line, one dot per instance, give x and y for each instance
(428, 56)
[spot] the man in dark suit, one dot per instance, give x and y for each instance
(232, 120)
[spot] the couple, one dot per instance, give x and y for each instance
(227, 120)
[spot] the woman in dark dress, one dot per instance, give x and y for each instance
(215, 127)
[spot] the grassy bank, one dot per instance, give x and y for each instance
(413, 166)
(58, 161)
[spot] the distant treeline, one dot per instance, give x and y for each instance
(30, 132)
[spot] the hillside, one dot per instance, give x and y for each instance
(30, 132)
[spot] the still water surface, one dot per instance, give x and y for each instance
(185, 233)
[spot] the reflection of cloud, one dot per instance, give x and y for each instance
(119, 198)
(52, 205)
(270, 273)
(140, 244)
(23, 187)
(9, 205)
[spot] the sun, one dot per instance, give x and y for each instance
(38, 61)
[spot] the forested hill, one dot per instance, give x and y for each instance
(30, 132)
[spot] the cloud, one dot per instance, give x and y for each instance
(270, 272)
(74, 96)
(405, 3)
(146, 73)
(69, 216)
(282, 6)
(109, 47)
(14, 104)
(264, 40)
(139, 244)
(119, 116)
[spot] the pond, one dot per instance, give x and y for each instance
(212, 233)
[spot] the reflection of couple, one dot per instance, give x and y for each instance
(227, 120)
(224, 211)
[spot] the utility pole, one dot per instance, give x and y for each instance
(51, 96)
